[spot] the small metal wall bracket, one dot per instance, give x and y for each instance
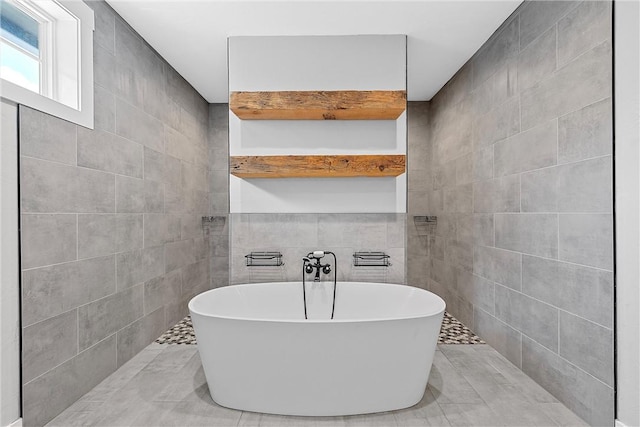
(264, 259)
(425, 224)
(214, 224)
(371, 259)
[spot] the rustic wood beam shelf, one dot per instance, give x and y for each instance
(319, 105)
(330, 166)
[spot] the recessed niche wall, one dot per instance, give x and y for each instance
(317, 63)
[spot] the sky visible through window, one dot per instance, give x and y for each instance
(19, 47)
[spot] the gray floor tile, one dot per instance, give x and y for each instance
(252, 419)
(470, 414)
(426, 413)
(383, 419)
(116, 381)
(447, 385)
(470, 385)
(198, 409)
(561, 415)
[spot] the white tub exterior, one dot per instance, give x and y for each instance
(259, 353)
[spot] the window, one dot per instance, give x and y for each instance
(46, 56)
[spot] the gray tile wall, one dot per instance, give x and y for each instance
(112, 241)
(295, 235)
(527, 263)
(219, 193)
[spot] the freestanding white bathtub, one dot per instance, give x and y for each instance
(260, 354)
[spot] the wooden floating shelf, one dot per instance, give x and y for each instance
(332, 166)
(319, 105)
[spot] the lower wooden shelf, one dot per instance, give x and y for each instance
(317, 166)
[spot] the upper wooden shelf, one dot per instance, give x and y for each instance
(329, 166)
(319, 105)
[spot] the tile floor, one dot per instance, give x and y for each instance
(469, 385)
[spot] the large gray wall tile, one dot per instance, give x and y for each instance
(533, 318)
(195, 278)
(532, 149)
(160, 229)
(104, 70)
(464, 228)
(537, 16)
(497, 89)
(108, 152)
(502, 46)
(483, 229)
(590, 398)
(136, 125)
(498, 265)
(219, 180)
(47, 137)
(179, 254)
(195, 177)
(177, 145)
(483, 163)
(139, 266)
(129, 195)
(477, 290)
(154, 165)
(594, 355)
(135, 337)
(48, 239)
(497, 195)
(587, 292)
(583, 28)
(450, 142)
(52, 290)
(96, 235)
(581, 82)
(535, 234)
(48, 395)
(537, 60)
(499, 335)
(586, 239)
(162, 290)
(586, 133)
(49, 343)
(101, 318)
(104, 110)
(50, 187)
(497, 124)
(153, 197)
(129, 232)
(444, 273)
(458, 199)
(585, 186)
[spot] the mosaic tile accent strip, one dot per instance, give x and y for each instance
(181, 333)
(452, 332)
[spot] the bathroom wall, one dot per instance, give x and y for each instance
(421, 240)
(112, 241)
(295, 235)
(9, 267)
(627, 213)
(311, 63)
(219, 193)
(518, 171)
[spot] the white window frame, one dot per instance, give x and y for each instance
(83, 115)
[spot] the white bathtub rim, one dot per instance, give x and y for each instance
(439, 311)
